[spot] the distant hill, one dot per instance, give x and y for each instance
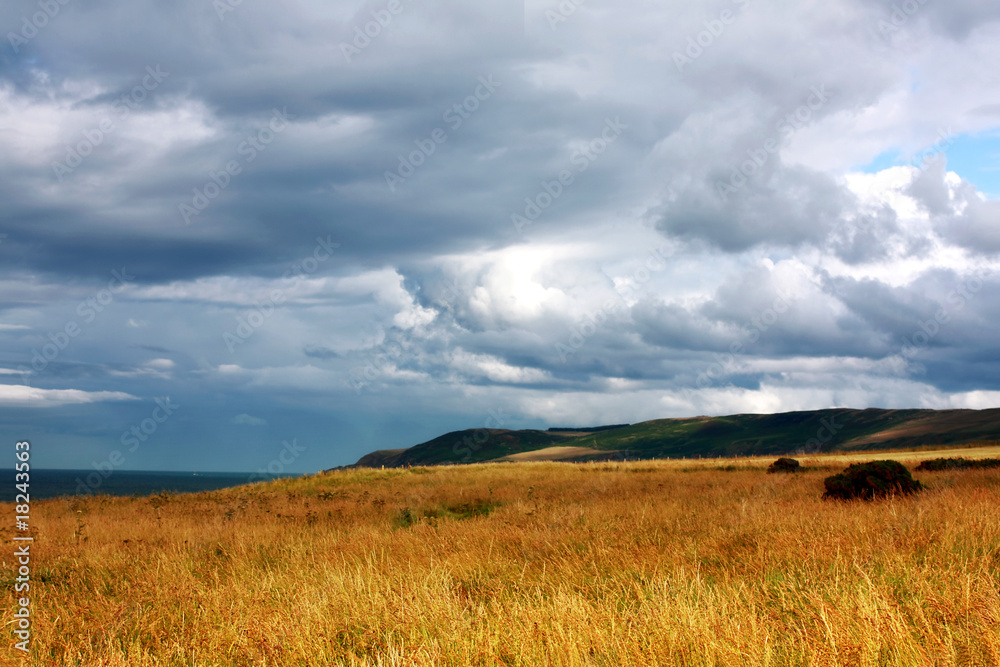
(470, 446)
(812, 431)
(586, 429)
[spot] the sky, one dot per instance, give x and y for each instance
(240, 236)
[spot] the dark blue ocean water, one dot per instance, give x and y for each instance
(55, 483)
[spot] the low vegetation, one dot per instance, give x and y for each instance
(868, 481)
(431, 515)
(959, 463)
(784, 465)
(691, 563)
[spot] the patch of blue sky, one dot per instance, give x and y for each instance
(974, 157)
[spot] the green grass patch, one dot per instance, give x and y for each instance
(407, 516)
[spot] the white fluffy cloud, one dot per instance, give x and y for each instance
(20, 396)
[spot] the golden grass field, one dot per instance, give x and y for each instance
(640, 563)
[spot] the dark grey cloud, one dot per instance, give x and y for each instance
(977, 227)
(319, 352)
(929, 187)
(788, 206)
(867, 237)
(433, 296)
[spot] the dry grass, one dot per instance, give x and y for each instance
(972, 451)
(553, 454)
(646, 563)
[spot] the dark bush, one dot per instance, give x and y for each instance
(784, 465)
(877, 479)
(936, 465)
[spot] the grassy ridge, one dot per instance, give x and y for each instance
(751, 435)
(471, 446)
(735, 435)
(639, 563)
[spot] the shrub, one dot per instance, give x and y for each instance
(867, 481)
(470, 510)
(784, 465)
(936, 465)
(405, 518)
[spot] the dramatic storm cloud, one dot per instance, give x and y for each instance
(227, 226)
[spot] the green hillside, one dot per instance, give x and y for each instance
(749, 435)
(470, 446)
(734, 435)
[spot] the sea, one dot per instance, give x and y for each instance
(55, 483)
